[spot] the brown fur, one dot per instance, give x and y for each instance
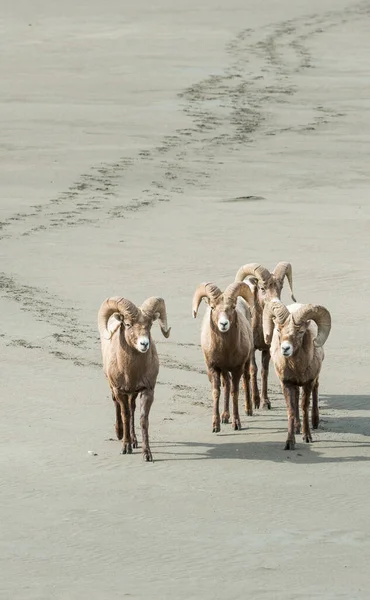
(130, 373)
(265, 286)
(296, 325)
(227, 354)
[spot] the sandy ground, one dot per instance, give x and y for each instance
(144, 149)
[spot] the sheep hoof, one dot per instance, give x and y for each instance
(297, 428)
(307, 438)
(315, 424)
(256, 403)
(266, 404)
(225, 417)
(147, 456)
(134, 443)
(249, 412)
(216, 428)
(126, 449)
(289, 445)
(237, 425)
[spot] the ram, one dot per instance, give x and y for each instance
(266, 287)
(227, 343)
(297, 334)
(130, 362)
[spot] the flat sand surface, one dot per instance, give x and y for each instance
(146, 147)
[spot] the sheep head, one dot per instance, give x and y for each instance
(222, 305)
(269, 284)
(134, 322)
(291, 327)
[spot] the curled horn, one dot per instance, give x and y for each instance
(155, 308)
(273, 311)
(115, 305)
(204, 290)
(320, 315)
(239, 288)
(284, 269)
(253, 270)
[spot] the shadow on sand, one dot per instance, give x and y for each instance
(341, 422)
(265, 451)
(242, 445)
(245, 447)
(345, 402)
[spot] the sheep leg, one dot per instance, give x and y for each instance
(297, 420)
(247, 390)
(315, 405)
(235, 380)
(290, 394)
(125, 414)
(132, 402)
(146, 401)
(253, 375)
(225, 417)
(215, 378)
(119, 424)
(305, 404)
(265, 361)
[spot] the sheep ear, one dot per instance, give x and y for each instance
(114, 324)
(252, 282)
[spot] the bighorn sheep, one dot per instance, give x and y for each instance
(130, 362)
(227, 342)
(266, 287)
(297, 352)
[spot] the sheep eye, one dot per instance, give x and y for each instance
(262, 290)
(127, 325)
